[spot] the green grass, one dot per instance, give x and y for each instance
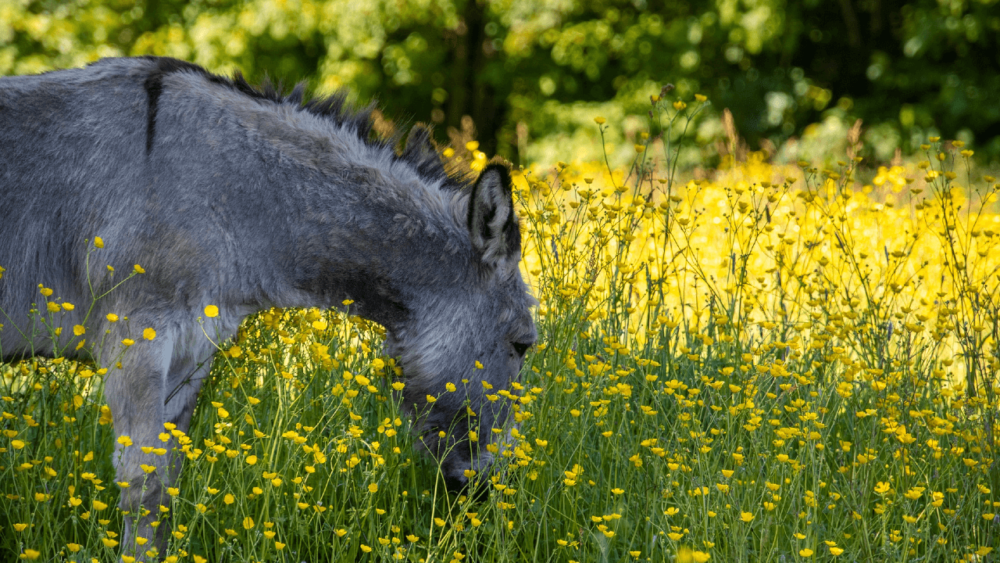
(680, 406)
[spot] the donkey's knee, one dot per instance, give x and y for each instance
(146, 530)
(144, 474)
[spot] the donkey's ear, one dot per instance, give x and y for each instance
(421, 153)
(493, 225)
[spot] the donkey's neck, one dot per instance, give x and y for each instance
(336, 217)
(368, 232)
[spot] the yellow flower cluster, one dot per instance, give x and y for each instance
(759, 362)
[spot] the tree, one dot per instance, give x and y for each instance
(916, 67)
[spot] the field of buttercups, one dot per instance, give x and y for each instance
(757, 362)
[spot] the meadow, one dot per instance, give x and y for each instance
(757, 362)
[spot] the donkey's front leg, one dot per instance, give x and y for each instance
(135, 394)
(184, 380)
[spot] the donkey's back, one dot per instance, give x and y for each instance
(150, 155)
(68, 143)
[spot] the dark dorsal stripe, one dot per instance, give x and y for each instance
(154, 87)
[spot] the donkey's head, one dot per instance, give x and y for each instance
(466, 342)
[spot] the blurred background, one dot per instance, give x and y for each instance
(527, 77)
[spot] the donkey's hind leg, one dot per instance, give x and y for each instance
(135, 394)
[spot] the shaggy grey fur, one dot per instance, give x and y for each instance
(242, 198)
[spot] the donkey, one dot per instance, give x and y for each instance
(245, 198)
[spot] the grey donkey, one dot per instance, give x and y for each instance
(244, 198)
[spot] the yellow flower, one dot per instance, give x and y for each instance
(149, 334)
(431, 398)
(600, 120)
(98, 505)
(125, 441)
(251, 459)
(365, 548)
(700, 556)
(882, 487)
(139, 269)
(211, 311)
(835, 551)
(79, 330)
(700, 97)
(247, 523)
(16, 444)
(68, 306)
(373, 488)
(52, 307)
(112, 317)
(74, 547)
(128, 342)
(31, 554)
(98, 242)
(279, 546)
(746, 516)
(679, 105)
(20, 527)
(806, 552)
(108, 542)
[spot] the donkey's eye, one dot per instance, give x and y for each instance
(520, 347)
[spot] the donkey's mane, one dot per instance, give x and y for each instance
(335, 108)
